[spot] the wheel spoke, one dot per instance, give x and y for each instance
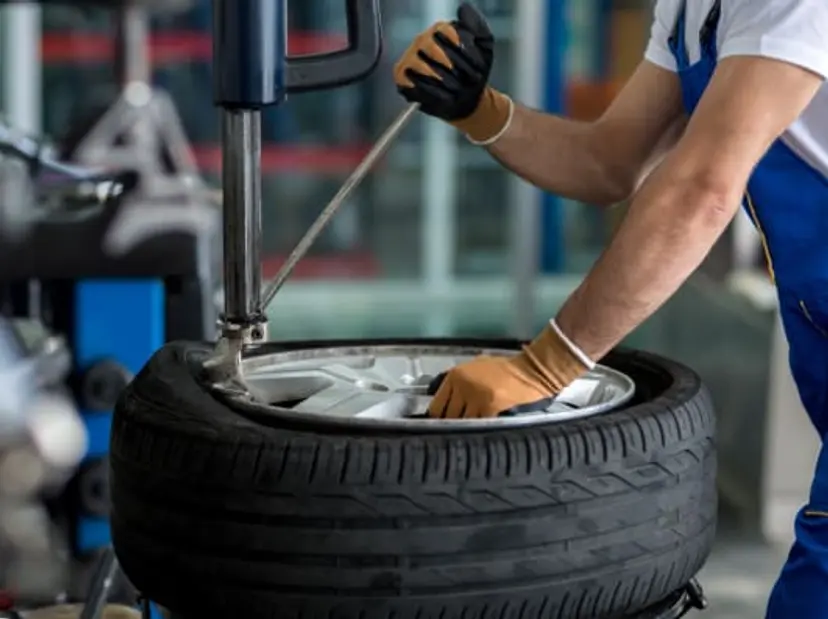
(343, 400)
(583, 390)
(432, 365)
(275, 387)
(361, 377)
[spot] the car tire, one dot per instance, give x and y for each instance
(218, 513)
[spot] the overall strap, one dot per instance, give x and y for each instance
(710, 28)
(678, 41)
(707, 35)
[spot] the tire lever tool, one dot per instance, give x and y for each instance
(348, 187)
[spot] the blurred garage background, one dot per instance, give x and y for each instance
(440, 240)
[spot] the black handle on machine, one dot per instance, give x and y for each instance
(330, 70)
(251, 68)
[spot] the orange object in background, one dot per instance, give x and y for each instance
(588, 100)
(629, 32)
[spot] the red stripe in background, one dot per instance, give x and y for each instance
(167, 47)
(189, 46)
(345, 265)
(327, 159)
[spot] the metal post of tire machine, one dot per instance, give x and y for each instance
(251, 71)
(120, 281)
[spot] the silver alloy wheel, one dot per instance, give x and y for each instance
(382, 386)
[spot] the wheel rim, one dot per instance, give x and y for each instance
(381, 386)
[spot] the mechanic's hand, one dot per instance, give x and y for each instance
(446, 70)
(490, 386)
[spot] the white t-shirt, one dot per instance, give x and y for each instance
(795, 31)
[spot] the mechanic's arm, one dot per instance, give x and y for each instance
(597, 162)
(687, 202)
(446, 70)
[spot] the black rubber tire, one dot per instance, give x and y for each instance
(217, 515)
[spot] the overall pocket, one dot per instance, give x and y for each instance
(804, 312)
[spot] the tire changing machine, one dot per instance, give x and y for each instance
(252, 71)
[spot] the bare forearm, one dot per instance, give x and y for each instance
(558, 155)
(668, 231)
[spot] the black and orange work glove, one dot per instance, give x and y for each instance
(490, 386)
(446, 70)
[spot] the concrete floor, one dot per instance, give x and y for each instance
(738, 577)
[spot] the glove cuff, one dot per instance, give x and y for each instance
(573, 348)
(556, 358)
(490, 120)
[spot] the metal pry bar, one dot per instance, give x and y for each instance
(348, 187)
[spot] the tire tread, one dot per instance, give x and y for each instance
(200, 493)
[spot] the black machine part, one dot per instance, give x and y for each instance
(218, 513)
(45, 168)
(37, 187)
(251, 72)
(334, 69)
(679, 604)
(158, 242)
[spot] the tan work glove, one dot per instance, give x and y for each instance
(73, 611)
(446, 70)
(491, 386)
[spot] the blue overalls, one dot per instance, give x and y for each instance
(787, 200)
